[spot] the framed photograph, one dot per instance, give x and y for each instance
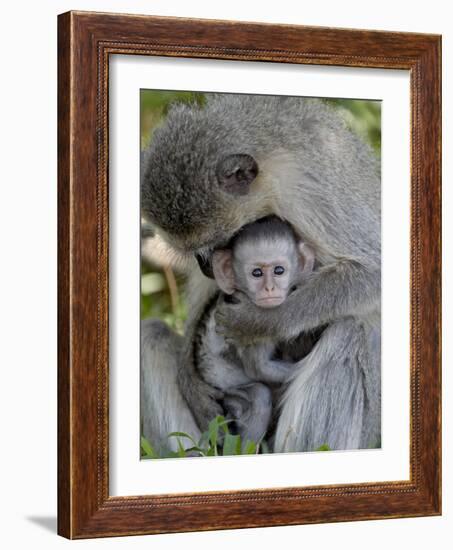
(249, 275)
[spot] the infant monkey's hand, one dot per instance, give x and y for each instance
(231, 298)
(235, 320)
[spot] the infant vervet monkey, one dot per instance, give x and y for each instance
(266, 261)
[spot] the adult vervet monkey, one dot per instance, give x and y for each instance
(209, 171)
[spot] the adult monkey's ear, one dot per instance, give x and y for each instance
(222, 266)
(235, 173)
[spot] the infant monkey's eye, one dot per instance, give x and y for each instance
(257, 272)
(279, 270)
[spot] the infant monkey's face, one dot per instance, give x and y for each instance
(267, 272)
(263, 266)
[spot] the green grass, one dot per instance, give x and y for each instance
(215, 441)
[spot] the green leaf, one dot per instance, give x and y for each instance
(182, 434)
(147, 448)
(232, 445)
(324, 447)
(204, 439)
(181, 450)
(213, 430)
(201, 452)
(223, 424)
(178, 434)
(250, 448)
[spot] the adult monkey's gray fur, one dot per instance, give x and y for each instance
(212, 169)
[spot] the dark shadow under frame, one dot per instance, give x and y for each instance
(85, 42)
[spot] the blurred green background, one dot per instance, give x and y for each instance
(161, 286)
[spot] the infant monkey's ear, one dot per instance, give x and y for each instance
(222, 266)
(307, 257)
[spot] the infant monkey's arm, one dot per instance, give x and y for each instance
(259, 364)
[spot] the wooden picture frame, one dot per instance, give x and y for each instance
(85, 42)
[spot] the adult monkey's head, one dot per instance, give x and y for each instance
(201, 177)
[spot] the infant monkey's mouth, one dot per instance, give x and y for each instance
(270, 302)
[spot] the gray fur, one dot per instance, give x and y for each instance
(322, 179)
(237, 372)
(271, 229)
(250, 406)
(333, 394)
(160, 397)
